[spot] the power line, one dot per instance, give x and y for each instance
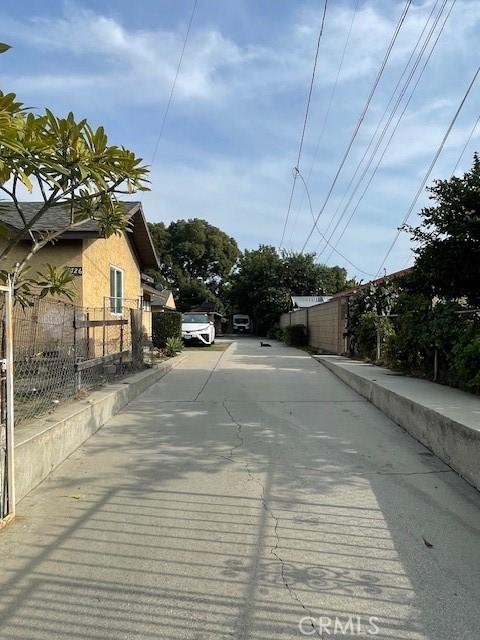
(430, 168)
(307, 110)
(313, 216)
(174, 83)
(327, 113)
(392, 96)
(472, 131)
(362, 117)
(382, 155)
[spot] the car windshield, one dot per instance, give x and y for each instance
(194, 318)
(241, 320)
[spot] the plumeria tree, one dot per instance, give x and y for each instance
(72, 166)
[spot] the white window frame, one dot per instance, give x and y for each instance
(146, 304)
(116, 301)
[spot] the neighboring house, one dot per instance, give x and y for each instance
(388, 277)
(304, 302)
(162, 300)
(108, 271)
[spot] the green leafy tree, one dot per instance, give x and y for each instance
(258, 289)
(264, 281)
(448, 252)
(72, 166)
(301, 275)
(196, 259)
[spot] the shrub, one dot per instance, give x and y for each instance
(276, 333)
(296, 335)
(367, 335)
(368, 325)
(173, 346)
(165, 325)
(411, 346)
(466, 360)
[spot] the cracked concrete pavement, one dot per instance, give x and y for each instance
(244, 492)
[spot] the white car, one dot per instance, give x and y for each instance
(197, 327)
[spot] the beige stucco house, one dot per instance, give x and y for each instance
(108, 271)
(162, 300)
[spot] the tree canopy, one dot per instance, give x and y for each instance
(264, 280)
(302, 276)
(448, 252)
(69, 164)
(196, 259)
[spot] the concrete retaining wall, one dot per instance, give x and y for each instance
(44, 444)
(444, 420)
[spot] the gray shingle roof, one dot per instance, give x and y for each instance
(57, 218)
(53, 219)
(160, 298)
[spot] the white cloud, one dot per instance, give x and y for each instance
(139, 65)
(235, 167)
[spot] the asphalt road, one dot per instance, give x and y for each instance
(246, 493)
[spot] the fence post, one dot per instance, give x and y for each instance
(379, 344)
(88, 337)
(10, 400)
(121, 347)
(104, 333)
(137, 342)
(77, 374)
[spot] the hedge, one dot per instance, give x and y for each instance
(296, 335)
(165, 325)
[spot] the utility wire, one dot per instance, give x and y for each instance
(387, 145)
(327, 113)
(315, 223)
(465, 146)
(429, 170)
(402, 93)
(302, 137)
(174, 83)
(360, 120)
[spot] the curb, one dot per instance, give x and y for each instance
(455, 443)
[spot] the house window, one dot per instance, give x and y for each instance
(146, 303)
(116, 290)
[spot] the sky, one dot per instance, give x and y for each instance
(232, 133)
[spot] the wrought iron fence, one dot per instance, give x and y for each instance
(62, 351)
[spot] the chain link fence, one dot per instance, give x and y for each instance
(62, 351)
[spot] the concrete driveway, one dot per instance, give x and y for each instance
(247, 493)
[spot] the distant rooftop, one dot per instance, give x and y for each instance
(303, 302)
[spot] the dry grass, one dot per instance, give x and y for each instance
(219, 346)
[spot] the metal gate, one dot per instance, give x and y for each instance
(7, 486)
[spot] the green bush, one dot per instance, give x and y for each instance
(410, 346)
(296, 335)
(421, 329)
(466, 360)
(276, 333)
(173, 346)
(366, 335)
(165, 325)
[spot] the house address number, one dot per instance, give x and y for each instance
(76, 271)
